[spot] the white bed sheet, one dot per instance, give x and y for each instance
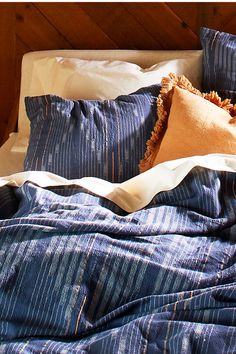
(137, 192)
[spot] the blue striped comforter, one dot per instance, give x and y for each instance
(80, 275)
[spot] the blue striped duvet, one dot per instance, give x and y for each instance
(80, 275)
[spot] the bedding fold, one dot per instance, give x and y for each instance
(137, 192)
(81, 274)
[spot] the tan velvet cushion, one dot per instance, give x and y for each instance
(196, 127)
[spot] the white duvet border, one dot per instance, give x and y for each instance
(137, 192)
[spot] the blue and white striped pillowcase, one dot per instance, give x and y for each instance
(78, 138)
(219, 62)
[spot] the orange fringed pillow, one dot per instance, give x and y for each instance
(198, 123)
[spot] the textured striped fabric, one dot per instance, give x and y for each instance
(79, 275)
(219, 63)
(105, 139)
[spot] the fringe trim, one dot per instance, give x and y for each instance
(226, 104)
(153, 143)
(163, 109)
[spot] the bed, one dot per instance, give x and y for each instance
(118, 203)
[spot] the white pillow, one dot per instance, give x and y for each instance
(75, 78)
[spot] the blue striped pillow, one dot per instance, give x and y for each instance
(77, 138)
(219, 62)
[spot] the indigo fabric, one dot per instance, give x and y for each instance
(79, 275)
(219, 63)
(104, 139)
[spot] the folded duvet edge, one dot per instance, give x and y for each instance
(137, 192)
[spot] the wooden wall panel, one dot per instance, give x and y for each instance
(220, 16)
(124, 29)
(79, 28)
(164, 25)
(7, 66)
(36, 31)
(39, 26)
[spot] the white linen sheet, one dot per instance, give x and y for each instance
(136, 193)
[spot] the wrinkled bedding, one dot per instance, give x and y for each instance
(79, 274)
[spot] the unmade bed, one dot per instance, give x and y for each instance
(118, 204)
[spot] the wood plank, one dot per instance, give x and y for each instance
(218, 15)
(121, 26)
(164, 25)
(77, 27)
(223, 17)
(7, 65)
(230, 25)
(182, 10)
(36, 31)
